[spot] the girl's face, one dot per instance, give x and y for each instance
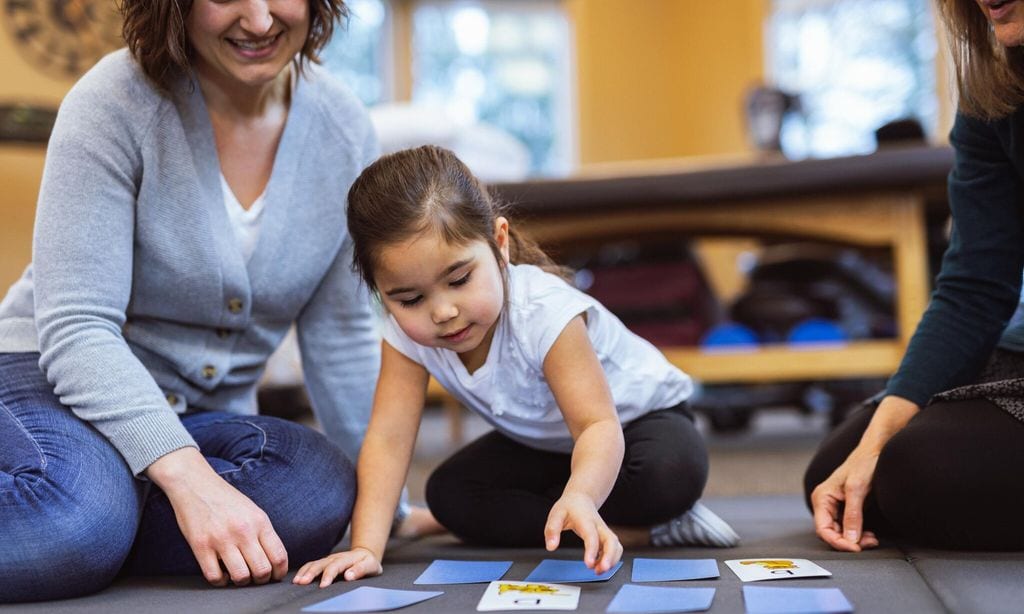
(249, 42)
(1007, 19)
(442, 295)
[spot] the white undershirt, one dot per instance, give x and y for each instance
(245, 222)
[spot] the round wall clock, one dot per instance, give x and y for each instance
(63, 38)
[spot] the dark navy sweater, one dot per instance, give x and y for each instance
(977, 292)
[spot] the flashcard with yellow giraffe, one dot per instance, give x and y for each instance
(508, 595)
(752, 570)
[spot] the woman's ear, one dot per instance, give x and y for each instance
(501, 237)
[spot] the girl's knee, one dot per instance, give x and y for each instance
(441, 489)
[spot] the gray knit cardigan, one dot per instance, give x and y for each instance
(138, 297)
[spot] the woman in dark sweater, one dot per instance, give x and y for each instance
(937, 461)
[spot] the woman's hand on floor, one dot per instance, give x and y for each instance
(351, 565)
(850, 483)
(577, 513)
(845, 490)
(219, 522)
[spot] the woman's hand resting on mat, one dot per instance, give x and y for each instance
(838, 502)
(220, 524)
(577, 513)
(351, 565)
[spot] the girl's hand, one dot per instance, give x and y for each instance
(352, 565)
(577, 512)
(848, 486)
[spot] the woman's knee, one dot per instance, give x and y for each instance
(58, 547)
(307, 490)
(941, 482)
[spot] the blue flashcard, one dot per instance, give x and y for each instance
(370, 599)
(670, 570)
(555, 570)
(463, 572)
(658, 599)
(765, 600)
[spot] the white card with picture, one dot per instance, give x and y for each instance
(753, 570)
(508, 595)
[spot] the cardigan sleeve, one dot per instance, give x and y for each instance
(978, 287)
(82, 270)
(339, 340)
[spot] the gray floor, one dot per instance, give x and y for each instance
(754, 484)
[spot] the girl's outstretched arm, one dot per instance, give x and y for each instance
(381, 470)
(578, 383)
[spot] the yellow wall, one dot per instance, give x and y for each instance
(21, 166)
(664, 78)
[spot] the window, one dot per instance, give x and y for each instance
(856, 65)
(502, 63)
(358, 54)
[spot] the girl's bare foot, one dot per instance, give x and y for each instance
(419, 523)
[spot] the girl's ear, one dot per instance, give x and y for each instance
(501, 237)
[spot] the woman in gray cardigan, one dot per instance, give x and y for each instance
(192, 209)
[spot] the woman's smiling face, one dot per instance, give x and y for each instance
(249, 42)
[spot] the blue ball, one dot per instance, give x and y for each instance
(817, 330)
(729, 334)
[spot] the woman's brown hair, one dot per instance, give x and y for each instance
(989, 76)
(428, 189)
(154, 31)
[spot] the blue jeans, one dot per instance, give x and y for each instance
(72, 515)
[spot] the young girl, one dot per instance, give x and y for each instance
(587, 415)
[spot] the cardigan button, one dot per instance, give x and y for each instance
(235, 305)
(172, 399)
(209, 371)
(223, 333)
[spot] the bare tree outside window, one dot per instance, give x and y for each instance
(856, 65)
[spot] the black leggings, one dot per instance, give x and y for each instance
(952, 478)
(497, 492)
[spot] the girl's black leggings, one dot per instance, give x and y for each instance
(498, 492)
(953, 478)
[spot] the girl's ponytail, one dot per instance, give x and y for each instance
(524, 250)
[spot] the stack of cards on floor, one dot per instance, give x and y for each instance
(507, 595)
(370, 599)
(463, 572)
(556, 570)
(670, 570)
(753, 570)
(633, 598)
(774, 600)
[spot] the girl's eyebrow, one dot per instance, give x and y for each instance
(448, 271)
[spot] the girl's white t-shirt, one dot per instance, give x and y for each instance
(245, 222)
(510, 390)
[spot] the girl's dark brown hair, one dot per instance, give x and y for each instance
(154, 31)
(428, 189)
(989, 76)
